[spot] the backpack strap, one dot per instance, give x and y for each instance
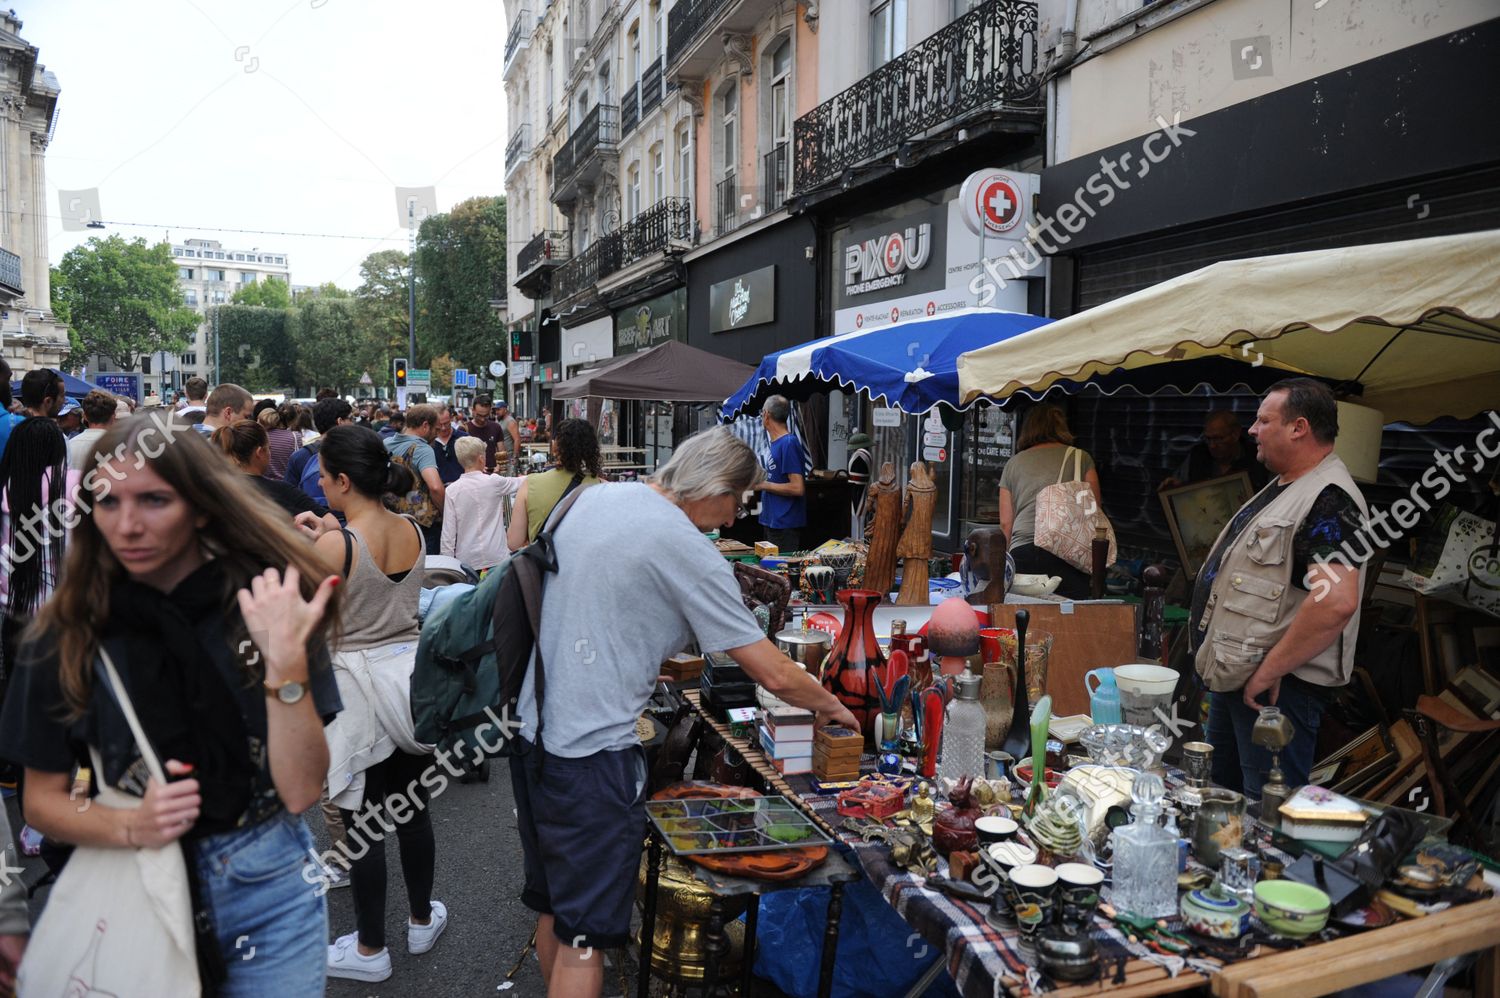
(348, 552)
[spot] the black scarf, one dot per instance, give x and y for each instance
(186, 707)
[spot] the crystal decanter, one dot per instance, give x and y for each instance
(1145, 855)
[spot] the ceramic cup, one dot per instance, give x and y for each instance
(1078, 891)
(1000, 859)
(1219, 824)
(994, 829)
(1197, 763)
(995, 764)
(1035, 888)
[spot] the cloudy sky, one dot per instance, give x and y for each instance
(195, 118)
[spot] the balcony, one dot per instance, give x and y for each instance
(985, 60)
(726, 206)
(519, 38)
(776, 177)
(546, 250)
(642, 98)
(10, 274)
(695, 30)
(630, 110)
(651, 87)
(580, 159)
(518, 150)
(665, 227)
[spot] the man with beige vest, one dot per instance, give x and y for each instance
(1276, 605)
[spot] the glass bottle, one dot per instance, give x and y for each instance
(963, 732)
(1145, 855)
(915, 646)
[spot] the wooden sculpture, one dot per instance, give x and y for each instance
(885, 500)
(985, 549)
(915, 547)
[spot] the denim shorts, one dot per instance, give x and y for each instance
(583, 826)
(269, 914)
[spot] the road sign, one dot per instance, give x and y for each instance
(473, 380)
(419, 379)
(460, 377)
(938, 454)
(365, 379)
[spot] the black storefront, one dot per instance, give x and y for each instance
(774, 274)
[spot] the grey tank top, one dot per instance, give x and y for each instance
(378, 610)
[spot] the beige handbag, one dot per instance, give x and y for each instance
(1066, 516)
(118, 922)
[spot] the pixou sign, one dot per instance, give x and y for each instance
(883, 261)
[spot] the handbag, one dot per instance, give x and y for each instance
(118, 921)
(1066, 516)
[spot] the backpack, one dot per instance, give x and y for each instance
(417, 503)
(473, 655)
(308, 480)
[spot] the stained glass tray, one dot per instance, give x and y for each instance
(725, 827)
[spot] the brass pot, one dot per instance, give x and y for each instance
(679, 943)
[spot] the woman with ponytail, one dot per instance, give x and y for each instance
(373, 752)
(246, 443)
(280, 423)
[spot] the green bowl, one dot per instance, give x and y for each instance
(1291, 909)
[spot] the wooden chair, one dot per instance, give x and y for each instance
(1448, 799)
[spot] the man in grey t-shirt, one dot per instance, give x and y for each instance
(636, 581)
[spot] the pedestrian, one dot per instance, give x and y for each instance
(280, 424)
(1044, 455)
(1224, 450)
(580, 784)
(473, 510)
(226, 404)
(8, 420)
(15, 924)
(306, 428)
(395, 422)
(448, 434)
(176, 568)
(70, 418)
(374, 756)
(1258, 638)
(100, 409)
(412, 447)
(248, 446)
(576, 449)
(197, 400)
(487, 424)
(302, 470)
(36, 487)
(783, 504)
(42, 392)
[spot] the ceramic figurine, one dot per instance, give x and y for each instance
(923, 809)
(953, 827)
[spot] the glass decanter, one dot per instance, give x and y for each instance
(1145, 855)
(963, 732)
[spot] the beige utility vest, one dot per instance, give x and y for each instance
(1254, 597)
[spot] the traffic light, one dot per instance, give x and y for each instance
(398, 368)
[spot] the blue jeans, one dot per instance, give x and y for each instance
(1239, 765)
(270, 917)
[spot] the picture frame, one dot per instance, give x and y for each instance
(1359, 763)
(1198, 513)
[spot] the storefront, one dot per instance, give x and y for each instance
(756, 295)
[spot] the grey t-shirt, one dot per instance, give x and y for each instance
(636, 581)
(1028, 473)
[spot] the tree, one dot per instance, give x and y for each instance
(381, 312)
(329, 342)
(461, 261)
(255, 350)
(269, 293)
(442, 367)
(327, 289)
(122, 300)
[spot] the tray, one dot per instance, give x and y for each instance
(730, 827)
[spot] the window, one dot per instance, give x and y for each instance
(633, 68)
(214, 275)
(659, 32)
(887, 31)
(247, 278)
(239, 256)
(189, 360)
(218, 256)
(190, 297)
(185, 273)
(684, 154)
(729, 116)
(220, 297)
(658, 173)
(781, 85)
(633, 192)
(962, 7)
(606, 92)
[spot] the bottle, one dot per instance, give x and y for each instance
(1099, 562)
(1145, 855)
(963, 732)
(1104, 699)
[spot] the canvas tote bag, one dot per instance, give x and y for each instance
(118, 921)
(1066, 515)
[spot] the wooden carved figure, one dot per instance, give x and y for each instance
(915, 547)
(885, 500)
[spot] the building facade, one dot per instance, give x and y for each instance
(31, 335)
(208, 275)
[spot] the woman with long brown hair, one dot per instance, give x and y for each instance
(216, 614)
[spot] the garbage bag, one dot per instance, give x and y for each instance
(878, 953)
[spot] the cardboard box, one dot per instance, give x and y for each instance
(793, 767)
(780, 750)
(789, 717)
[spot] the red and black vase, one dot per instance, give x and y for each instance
(846, 671)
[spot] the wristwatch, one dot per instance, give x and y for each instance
(288, 692)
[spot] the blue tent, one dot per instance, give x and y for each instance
(73, 387)
(911, 366)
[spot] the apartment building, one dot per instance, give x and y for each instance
(208, 275)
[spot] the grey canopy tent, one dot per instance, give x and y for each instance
(671, 372)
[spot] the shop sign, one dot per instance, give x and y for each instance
(934, 439)
(652, 323)
(994, 203)
(747, 300)
(903, 255)
(938, 454)
(126, 384)
(887, 417)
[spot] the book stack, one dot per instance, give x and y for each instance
(786, 735)
(836, 753)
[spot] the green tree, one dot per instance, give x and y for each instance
(255, 350)
(442, 367)
(381, 311)
(327, 289)
(122, 300)
(460, 263)
(329, 342)
(272, 292)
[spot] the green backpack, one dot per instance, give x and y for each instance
(474, 651)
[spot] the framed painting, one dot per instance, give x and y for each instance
(1197, 513)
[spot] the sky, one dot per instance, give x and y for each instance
(194, 118)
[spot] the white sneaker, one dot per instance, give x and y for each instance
(421, 938)
(346, 962)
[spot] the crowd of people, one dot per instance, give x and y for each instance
(212, 610)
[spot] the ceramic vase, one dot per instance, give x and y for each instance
(997, 695)
(846, 671)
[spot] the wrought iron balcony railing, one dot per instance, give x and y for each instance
(655, 229)
(726, 203)
(10, 272)
(600, 127)
(584, 271)
(546, 247)
(984, 58)
(776, 177)
(686, 19)
(630, 110)
(518, 148)
(520, 31)
(651, 88)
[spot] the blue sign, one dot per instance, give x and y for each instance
(126, 384)
(460, 377)
(473, 380)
